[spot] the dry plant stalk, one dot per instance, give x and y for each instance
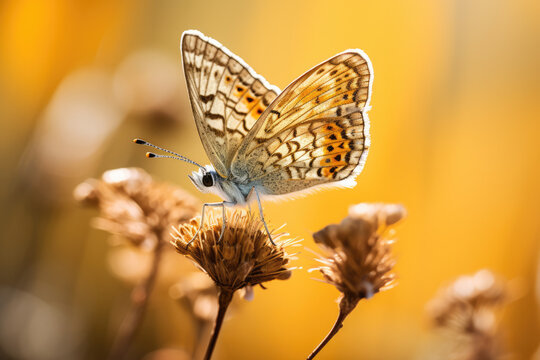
(141, 211)
(359, 257)
(242, 259)
(198, 295)
(466, 313)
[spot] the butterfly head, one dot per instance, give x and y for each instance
(205, 179)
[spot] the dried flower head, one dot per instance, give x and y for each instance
(466, 311)
(243, 257)
(135, 206)
(360, 261)
(461, 305)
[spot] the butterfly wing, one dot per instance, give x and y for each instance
(315, 133)
(227, 96)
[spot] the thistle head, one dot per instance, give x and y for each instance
(244, 256)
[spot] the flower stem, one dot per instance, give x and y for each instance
(346, 305)
(203, 333)
(139, 300)
(225, 297)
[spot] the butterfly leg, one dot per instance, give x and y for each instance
(262, 216)
(230, 203)
(202, 220)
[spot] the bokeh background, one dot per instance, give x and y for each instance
(455, 134)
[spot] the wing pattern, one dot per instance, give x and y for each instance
(315, 133)
(227, 96)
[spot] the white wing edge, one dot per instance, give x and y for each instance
(229, 53)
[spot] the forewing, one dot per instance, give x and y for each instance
(227, 96)
(315, 133)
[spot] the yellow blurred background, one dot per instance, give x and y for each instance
(455, 125)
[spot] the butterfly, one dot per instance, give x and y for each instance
(267, 143)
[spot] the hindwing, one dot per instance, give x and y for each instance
(316, 132)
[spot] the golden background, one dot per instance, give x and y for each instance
(455, 125)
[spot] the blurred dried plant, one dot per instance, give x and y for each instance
(198, 296)
(146, 86)
(359, 257)
(242, 259)
(70, 134)
(135, 207)
(466, 313)
(168, 354)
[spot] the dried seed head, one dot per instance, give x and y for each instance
(467, 304)
(135, 206)
(243, 257)
(359, 260)
(466, 312)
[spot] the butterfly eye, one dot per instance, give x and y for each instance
(207, 180)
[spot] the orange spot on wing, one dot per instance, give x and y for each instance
(328, 129)
(334, 159)
(326, 172)
(343, 98)
(330, 171)
(335, 149)
(248, 99)
(257, 111)
(331, 142)
(345, 145)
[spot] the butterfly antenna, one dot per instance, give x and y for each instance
(176, 156)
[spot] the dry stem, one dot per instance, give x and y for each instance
(225, 297)
(139, 301)
(346, 305)
(203, 335)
